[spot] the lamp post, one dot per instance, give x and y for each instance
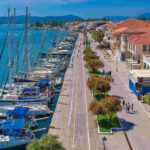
(116, 65)
(104, 139)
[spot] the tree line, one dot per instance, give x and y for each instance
(53, 23)
(98, 84)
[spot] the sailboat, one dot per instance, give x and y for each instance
(13, 133)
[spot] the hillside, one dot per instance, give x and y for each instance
(21, 19)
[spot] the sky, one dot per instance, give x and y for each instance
(82, 8)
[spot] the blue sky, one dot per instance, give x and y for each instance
(82, 8)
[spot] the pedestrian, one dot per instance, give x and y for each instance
(112, 80)
(128, 106)
(110, 73)
(95, 123)
(132, 107)
(123, 103)
(103, 72)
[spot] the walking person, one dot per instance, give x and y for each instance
(95, 123)
(123, 103)
(110, 73)
(128, 106)
(112, 80)
(132, 107)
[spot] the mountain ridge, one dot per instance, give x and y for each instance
(21, 19)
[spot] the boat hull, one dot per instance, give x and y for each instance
(14, 143)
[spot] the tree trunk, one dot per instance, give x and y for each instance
(110, 117)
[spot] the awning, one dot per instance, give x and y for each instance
(29, 90)
(15, 124)
(45, 80)
(18, 111)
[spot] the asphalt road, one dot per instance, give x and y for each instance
(78, 120)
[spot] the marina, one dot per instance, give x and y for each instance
(31, 76)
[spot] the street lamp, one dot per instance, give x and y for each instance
(116, 64)
(104, 139)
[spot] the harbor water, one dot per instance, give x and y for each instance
(36, 43)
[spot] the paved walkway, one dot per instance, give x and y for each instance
(136, 124)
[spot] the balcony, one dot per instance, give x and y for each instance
(146, 59)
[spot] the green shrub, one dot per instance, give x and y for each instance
(147, 98)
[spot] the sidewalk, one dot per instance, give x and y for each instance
(123, 72)
(136, 124)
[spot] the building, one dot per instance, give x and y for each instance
(124, 30)
(146, 62)
(139, 48)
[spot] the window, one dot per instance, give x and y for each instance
(129, 45)
(144, 47)
(125, 37)
(134, 47)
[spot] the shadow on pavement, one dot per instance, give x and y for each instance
(127, 125)
(117, 96)
(133, 112)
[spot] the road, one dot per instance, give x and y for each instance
(78, 119)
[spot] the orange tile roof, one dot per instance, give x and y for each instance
(119, 31)
(136, 30)
(108, 25)
(131, 23)
(141, 39)
(126, 30)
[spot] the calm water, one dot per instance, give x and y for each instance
(38, 36)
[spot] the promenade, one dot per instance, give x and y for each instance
(136, 124)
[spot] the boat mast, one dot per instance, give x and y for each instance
(9, 50)
(15, 49)
(15, 30)
(47, 44)
(26, 45)
(29, 48)
(33, 49)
